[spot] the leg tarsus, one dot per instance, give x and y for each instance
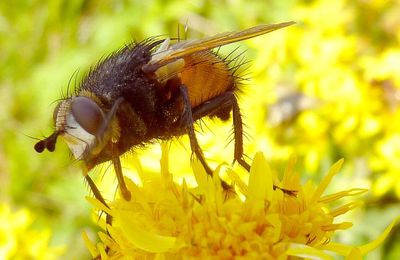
(243, 163)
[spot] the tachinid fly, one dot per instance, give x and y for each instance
(146, 91)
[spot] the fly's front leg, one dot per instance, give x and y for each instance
(98, 196)
(104, 129)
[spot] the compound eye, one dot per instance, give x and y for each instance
(87, 113)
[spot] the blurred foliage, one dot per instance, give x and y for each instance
(323, 89)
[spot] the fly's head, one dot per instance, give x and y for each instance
(82, 123)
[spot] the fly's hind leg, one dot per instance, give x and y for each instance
(221, 106)
(238, 133)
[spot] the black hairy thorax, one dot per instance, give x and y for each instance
(148, 112)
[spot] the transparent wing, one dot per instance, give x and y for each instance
(184, 48)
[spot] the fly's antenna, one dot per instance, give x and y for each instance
(48, 143)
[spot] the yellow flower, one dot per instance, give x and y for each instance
(167, 220)
(18, 240)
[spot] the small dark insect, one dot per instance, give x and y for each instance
(146, 91)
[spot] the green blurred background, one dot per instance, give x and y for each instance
(324, 89)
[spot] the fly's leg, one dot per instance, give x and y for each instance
(187, 120)
(220, 105)
(115, 159)
(238, 133)
(126, 194)
(98, 196)
(226, 102)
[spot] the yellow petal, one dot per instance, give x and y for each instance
(105, 238)
(185, 195)
(159, 257)
(90, 246)
(306, 252)
(355, 254)
(237, 180)
(291, 179)
(164, 162)
(260, 186)
(341, 194)
(103, 253)
(379, 240)
(333, 227)
(260, 180)
(345, 208)
(141, 238)
(336, 247)
(139, 168)
(97, 204)
(327, 179)
(199, 174)
(347, 250)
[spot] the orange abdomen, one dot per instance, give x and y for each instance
(206, 76)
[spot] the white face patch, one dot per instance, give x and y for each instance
(77, 138)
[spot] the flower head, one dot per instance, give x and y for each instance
(19, 240)
(261, 220)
